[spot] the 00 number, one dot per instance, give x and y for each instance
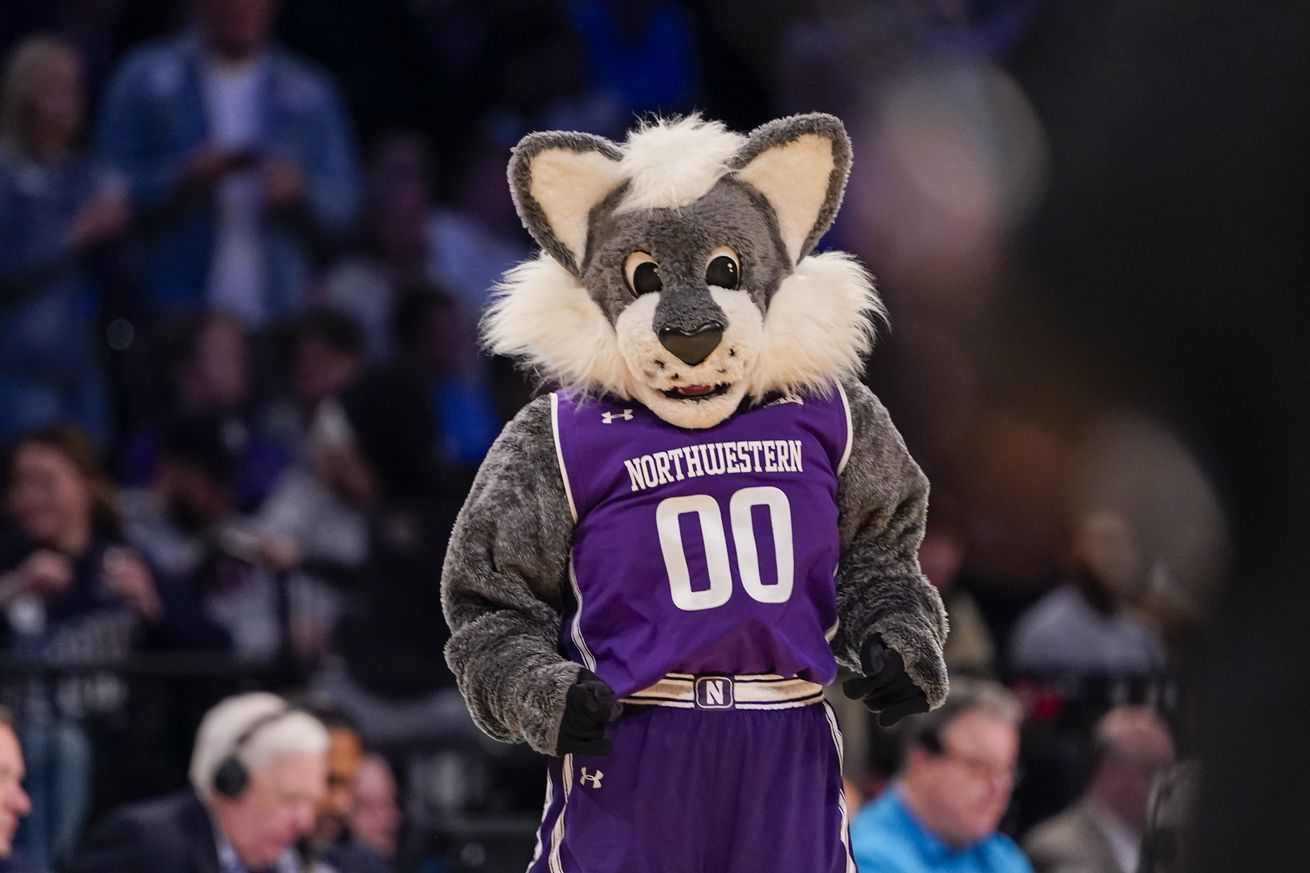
(707, 511)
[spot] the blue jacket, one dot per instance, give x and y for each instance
(153, 118)
(48, 367)
(887, 838)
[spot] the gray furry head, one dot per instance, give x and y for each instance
(677, 267)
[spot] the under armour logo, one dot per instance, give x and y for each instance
(594, 777)
(611, 417)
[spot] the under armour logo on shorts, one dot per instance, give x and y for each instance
(594, 777)
(611, 417)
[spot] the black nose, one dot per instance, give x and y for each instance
(694, 347)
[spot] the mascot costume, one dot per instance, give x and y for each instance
(661, 564)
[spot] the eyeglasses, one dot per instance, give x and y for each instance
(977, 768)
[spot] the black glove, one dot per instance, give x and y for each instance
(589, 705)
(885, 687)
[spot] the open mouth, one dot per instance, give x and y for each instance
(696, 392)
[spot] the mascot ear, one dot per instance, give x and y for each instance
(800, 165)
(557, 178)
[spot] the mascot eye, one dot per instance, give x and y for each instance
(724, 269)
(642, 273)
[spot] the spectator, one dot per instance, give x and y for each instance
(241, 152)
(315, 528)
(209, 371)
(67, 576)
(327, 353)
(1102, 832)
(969, 648)
(14, 802)
(1088, 624)
(375, 818)
(187, 523)
(1169, 842)
(331, 846)
(394, 247)
(257, 772)
(57, 208)
(953, 789)
(392, 678)
(476, 236)
(435, 347)
(70, 590)
(409, 241)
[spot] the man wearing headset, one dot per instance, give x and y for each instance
(257, 773)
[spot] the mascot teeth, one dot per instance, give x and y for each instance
(697, 392)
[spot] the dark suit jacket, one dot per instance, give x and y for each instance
(352, 857)
(1071, 842)
(172, 834)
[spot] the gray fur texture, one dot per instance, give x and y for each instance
(882, 501)
(503, 582)
(680, 241)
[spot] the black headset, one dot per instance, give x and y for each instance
(231, 778)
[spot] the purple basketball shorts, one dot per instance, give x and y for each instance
(710, 774)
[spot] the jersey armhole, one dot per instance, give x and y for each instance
(559, 453)
(850, 436)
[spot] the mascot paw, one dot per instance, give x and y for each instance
(885, 687)
(589, 705)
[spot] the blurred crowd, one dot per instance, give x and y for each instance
(244, 245)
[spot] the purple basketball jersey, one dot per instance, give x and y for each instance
(702, 551)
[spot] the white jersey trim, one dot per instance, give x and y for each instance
(841, 792)
(559, 453)
(557, 836)
(545, 811)
(850, 435)
(588, 659)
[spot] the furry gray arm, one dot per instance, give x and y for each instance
(502, 586)
(882, 500)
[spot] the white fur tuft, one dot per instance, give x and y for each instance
(541, 315)
(673, 163)
(818, 327)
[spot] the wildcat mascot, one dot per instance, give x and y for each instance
(661, 564)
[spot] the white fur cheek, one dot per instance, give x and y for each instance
(539, 313)
(743, 337)
(818, 326)
(638, 343)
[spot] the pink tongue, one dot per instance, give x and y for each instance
(695, 390)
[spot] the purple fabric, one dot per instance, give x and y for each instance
(696, 791)
(652, 499)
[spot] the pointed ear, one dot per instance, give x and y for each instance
(800, 165)
(556, 179)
